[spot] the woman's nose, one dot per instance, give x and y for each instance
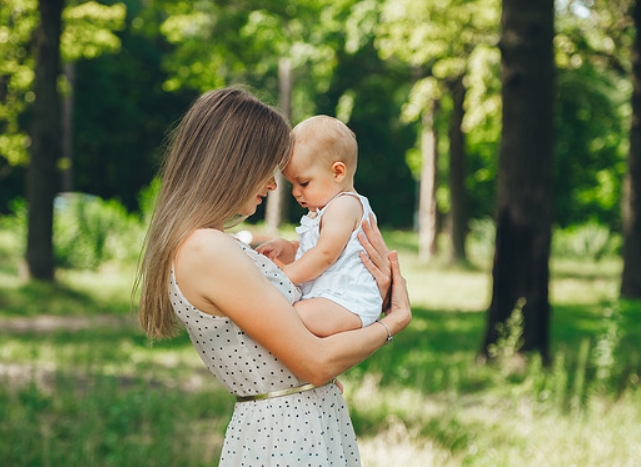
(271, 184)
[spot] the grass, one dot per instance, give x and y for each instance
(102, 396)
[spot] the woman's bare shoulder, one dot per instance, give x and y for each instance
(208, 251)
(209, 265)
(208, 242)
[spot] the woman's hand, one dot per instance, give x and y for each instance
(377, 258)
(399, 312)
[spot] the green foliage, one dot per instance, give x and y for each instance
(89, 231)
(13, 234)
(510, 333)
(589, 240)
(17, 21)
(89, 30)
(147, 199)
(590, 150)
(372, 62)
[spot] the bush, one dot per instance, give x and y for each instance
(89, 231)
(591, 240)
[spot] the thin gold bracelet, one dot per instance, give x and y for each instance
(389, 333)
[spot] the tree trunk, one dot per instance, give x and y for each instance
(42, 177)
(67, 128)
(428, 210)
(521, 270)
(276, 209)
(457, 174)
(631, 276)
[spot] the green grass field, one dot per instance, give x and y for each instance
(89, 390)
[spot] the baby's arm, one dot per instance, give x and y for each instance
(324, 317)
(340, 219)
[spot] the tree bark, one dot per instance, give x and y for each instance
(276, 210)
(42, 178)
(631, 202)
(67, 128)
(457, 174)
(525, 202)
(428, 210)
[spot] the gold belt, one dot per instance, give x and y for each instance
(282, 392)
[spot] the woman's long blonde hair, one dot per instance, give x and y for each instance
(226, 147)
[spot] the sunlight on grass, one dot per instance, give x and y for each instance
(492, 429)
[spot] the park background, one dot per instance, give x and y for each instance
(421, 85)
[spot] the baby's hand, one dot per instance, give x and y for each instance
(272, 249)
(279, 249)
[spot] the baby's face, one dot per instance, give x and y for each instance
(312, 179)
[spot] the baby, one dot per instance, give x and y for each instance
(338, 293)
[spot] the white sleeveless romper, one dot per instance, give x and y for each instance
(347, 281)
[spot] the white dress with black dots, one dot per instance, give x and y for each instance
(310, 428)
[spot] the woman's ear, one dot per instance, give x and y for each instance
(339, 170)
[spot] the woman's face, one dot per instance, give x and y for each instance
(252, 204)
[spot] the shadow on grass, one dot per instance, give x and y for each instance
(95, 419)
(438, 351)
(35, 298)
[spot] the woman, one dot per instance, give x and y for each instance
(237, 305)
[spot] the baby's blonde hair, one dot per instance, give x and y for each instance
(329, 138)
(225, 148)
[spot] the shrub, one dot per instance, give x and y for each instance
(89, 231)
(591, 240)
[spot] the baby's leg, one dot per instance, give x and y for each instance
(324, 317)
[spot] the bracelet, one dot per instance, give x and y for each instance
(389, 333)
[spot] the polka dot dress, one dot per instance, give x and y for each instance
(310, 428)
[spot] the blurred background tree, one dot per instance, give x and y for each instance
(130, 68)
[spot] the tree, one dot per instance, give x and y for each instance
(521, 271)
(42, 179)
(631, 276)
(276, 209)
(428, 208)
(439, 38)
(458, 171)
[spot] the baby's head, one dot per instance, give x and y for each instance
(325, 137)
(323, 146)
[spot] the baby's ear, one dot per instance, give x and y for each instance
(339, 170)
